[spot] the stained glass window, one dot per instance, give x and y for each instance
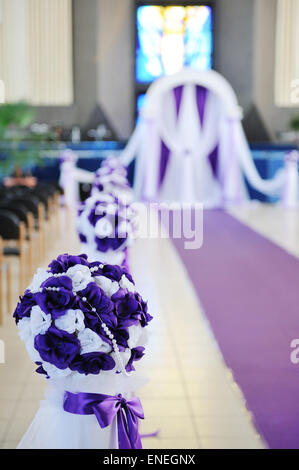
(172, 37)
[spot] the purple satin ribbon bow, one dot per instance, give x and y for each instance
(106, 407)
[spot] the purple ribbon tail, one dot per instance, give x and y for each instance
(127, 426)
(150, 434)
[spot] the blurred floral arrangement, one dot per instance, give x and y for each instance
(107, 221)
(106, 227)
(111, 178)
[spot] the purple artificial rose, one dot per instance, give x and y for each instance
(82, 238)
(136, 355)
(57, 347)
(111, 271)
(121, 335)
(24, 307)
(96, 214)
(130, 308)
(53, 302)
(107, 243)
(93, 217)
(40, 369)
(128, 275)
(92, 363)
(98, 186)
(63, 262)
(96, 298)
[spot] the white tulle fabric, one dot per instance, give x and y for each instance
(189, 174)
(54, 428)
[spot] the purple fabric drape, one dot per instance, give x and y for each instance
(178, 93)
(164, 157)
(213, 158)
(201, 96)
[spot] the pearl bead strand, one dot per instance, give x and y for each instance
(104, 326)
(113, 340)
(115, 348)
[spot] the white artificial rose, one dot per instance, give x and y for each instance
(125, 196)
(39, 277)
(71, 321)
(33, 353)
(24, 328)
(92, 342)
(106, 198)
(80, 276)
(107, 285)
(126, 284)
(104, 228)
(84, 226)
(123, 228)
(143, 337)
(39, 321)
(135, 332)
(111, 256)
(101, 197)
(113, 162)
(112, 209)
(101, 172)
(104, 179)
(54, 372)
(117, 178)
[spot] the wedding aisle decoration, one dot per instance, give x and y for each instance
(107, 222)
(106, 227)
(111, 178)
(83, 324)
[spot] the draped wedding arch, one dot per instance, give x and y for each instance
(190, 145)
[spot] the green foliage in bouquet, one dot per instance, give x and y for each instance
(17, 142)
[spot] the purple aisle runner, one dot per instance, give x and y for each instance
(249, 289)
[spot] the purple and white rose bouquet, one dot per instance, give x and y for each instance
(111, 178)
(81, 318)
(83, 324)
(106, 227)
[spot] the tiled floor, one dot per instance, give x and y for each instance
(190, 396)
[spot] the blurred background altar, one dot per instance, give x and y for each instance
(85, 68)
(74, 77)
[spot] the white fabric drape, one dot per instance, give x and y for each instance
(189, 174)
(287, 53)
